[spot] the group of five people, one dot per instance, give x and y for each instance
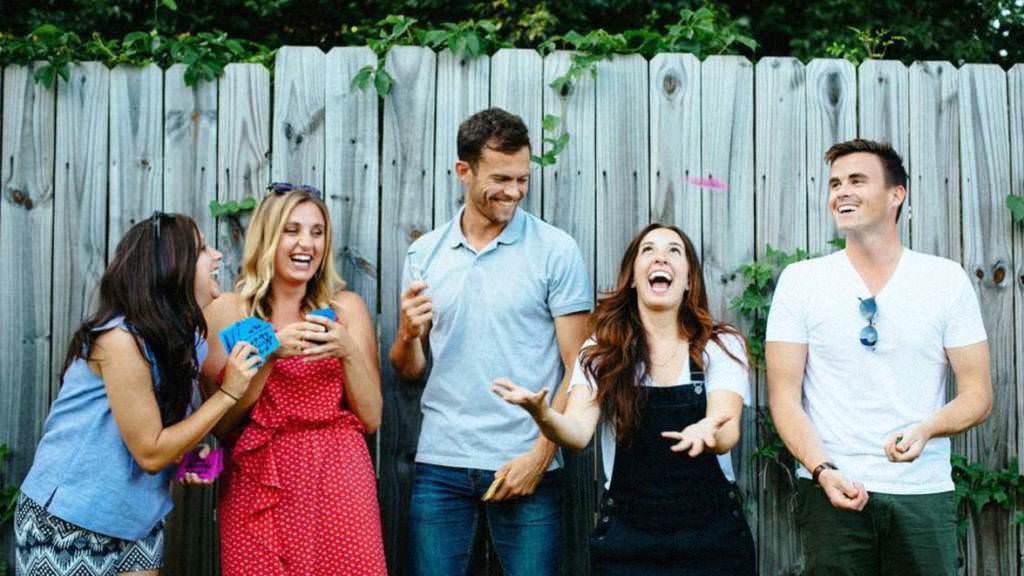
(495, 318)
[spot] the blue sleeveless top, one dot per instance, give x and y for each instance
(83, 472)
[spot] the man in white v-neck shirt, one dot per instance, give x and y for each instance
(857, 348)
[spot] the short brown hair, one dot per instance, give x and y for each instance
(493, 128)
(892, 163)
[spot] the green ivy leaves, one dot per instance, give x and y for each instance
(1016, 206)
(204, 54)
(232, 207)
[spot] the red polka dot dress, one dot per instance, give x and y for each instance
(299, 494)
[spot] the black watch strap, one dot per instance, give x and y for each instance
(821, 468)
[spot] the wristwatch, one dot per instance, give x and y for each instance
(821, 468)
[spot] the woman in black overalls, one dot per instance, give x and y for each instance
(669, 508)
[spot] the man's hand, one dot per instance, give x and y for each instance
(906, 445)
(521, 475)
(417, 311)
(842, 493)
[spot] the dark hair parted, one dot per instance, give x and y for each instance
(620, 341)
(151, 282)
(892, 163)
(492, 128)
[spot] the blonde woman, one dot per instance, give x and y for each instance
(299, 495)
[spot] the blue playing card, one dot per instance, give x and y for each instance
(327, 312)
(258, 333)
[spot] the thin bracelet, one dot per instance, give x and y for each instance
(229, 395)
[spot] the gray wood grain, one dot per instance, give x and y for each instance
(406, 210)
(831, 118)
(885, 116)
(935, 158)
(675, 138)
(985, 181)
(352, 171)
(80, 202)
(136, 148)
(781, 216)
(1015, 80)
(623, 161)
(463, 85)
(26, 250)
(243, 154)
(727, 155)
(298, 121)
(190, 148)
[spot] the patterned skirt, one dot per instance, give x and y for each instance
(47, 545)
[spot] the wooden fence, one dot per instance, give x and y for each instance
(84, 161)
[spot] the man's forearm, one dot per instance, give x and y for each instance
(967, 410)
(408, 358)
(797, 432)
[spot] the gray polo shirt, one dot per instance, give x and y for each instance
(494, 314)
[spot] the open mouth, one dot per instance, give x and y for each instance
(846, 208)
(660, 281)
(302, 261)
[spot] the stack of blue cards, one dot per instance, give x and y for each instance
(258, 333)
(327, 312)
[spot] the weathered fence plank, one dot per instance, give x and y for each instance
(190, 148)
(190, 184)
(1016, 90)
(885, 116)
(136, 148)
(26, 249)
(623, 161)
(935, 159)
(675, 168)
(517, 77)
(80, 202)
(298, 121)
(406, 209)
(570, 185)
(985, 174)
(463, 85)
(781, 216)
(243, 154)
(352, 172)
(831, 118)
(569, 203)
(727, 155)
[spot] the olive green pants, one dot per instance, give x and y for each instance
(894, 534)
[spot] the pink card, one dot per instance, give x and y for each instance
(206, 468)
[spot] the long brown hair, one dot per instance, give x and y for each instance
(151, 282)
(620, 342)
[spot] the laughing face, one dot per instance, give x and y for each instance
(660, 270)
(859, 197)
(497, 184)
(206, 286)
(301, 248)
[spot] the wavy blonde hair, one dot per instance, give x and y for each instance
(261, 241)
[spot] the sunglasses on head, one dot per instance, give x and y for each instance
(869, 334)
(155, 220)
(286, 187)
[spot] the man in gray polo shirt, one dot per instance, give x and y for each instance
(498, 293)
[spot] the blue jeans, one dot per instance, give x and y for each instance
(444, 515)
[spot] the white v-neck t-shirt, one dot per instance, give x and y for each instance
(721, 372)
(856, 396)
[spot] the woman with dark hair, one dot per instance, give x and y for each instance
(668, 383)
(95, 499)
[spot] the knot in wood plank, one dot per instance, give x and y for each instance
(21, 198)
(999, 273)
(670, 84)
